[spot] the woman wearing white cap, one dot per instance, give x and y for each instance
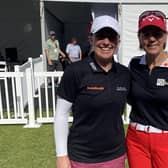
(95, 90)
(147, 138)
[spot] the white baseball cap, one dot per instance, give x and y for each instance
(101, 22)
(52, 33)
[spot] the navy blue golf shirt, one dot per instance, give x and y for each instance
(149, 93)
(98, 98)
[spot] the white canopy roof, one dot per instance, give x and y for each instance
(114, 1)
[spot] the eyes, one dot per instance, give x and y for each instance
(107, 33)
(156, 34)
(152, 31)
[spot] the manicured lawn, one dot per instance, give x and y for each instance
(27, 148)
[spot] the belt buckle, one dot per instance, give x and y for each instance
(147, 129)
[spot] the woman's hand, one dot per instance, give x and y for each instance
(63, 162)
(49, 62)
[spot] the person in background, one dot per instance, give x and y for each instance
(147, 136)
(95, 91)
(87, 46)
(53, 53)
(73, 50)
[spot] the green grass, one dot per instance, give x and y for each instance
(27, 148)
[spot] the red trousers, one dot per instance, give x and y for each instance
(147, 150)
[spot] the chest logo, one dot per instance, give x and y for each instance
(96, 88)
(121, 89)
(161, 82)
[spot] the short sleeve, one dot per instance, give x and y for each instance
(57, 43)
(67, 49)
(46, 45)
(79, 48)
(68, 88)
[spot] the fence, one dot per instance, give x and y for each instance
(10, 111)
(26, 98)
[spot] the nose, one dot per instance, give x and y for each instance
(151, 38)
(106, 41)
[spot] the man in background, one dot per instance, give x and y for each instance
(53, 53)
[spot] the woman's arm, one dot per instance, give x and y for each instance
(61, 130)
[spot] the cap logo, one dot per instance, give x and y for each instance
(151, 18)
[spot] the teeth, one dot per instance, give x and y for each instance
(105, 49)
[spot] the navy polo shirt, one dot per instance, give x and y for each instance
(98, 98)
(149, 93)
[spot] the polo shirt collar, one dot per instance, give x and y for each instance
(143, 62)
(96, 68)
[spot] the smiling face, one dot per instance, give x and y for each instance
(105, 43)
(152, 40)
